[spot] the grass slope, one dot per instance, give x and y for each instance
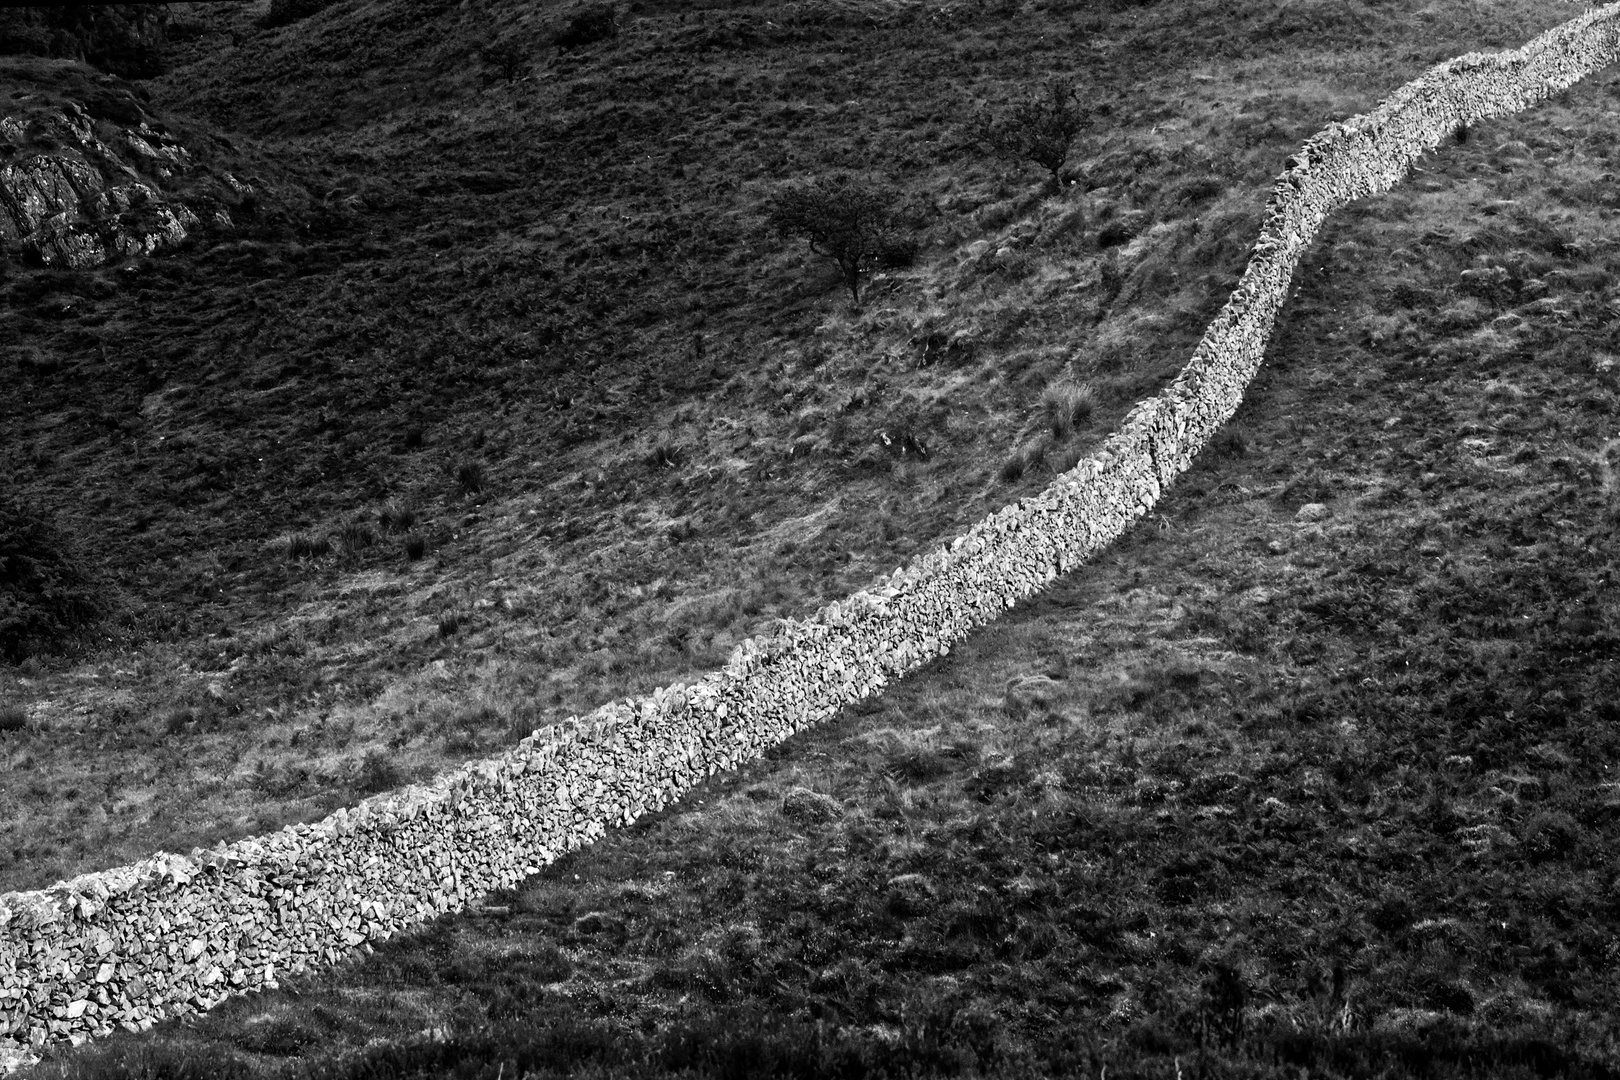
(1324, 746)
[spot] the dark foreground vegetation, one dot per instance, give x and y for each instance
(513, 401)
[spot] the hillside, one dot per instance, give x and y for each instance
(1344, 704)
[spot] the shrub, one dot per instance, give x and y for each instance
(1549, 834)
(854, 224)
(507, 60)
(1040, 128)
(377, 772)
(590, 24)
(45, 597)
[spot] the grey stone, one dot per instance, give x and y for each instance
(808, 807)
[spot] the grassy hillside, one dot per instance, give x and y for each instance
(1328, 736)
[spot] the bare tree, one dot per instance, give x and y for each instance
(854, 224)
(1040, 128)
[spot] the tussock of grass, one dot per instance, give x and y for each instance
(304, 544)
(397, 516)
(1066, 405)
(1027, 457)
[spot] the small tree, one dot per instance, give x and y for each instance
(855, 225)
(1040, 128)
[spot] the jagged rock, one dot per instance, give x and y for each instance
(78, 190)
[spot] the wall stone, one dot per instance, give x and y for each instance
(177, 934)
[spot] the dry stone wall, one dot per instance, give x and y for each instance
(175, 934)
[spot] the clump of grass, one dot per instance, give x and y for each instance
(665, 456)
(13, 717)
(451, 622)
(356, 534)
(415, 546)
(1030, 455)
(1230, 441)
(397, 515)
(1065, 405)
(305, 544)
(470, 477)
(1066, 459)
(177, 721)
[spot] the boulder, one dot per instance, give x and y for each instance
(807, 807)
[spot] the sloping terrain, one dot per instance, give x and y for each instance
(1336, 721)
(536, 332)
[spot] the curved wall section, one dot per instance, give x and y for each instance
(176, 934)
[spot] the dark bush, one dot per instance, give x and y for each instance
(45, 597)
(856, 225)
(287, 12)
(507, 60)
(470, 477)
(596, 22)
(377, 772)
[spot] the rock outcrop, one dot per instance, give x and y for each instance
(80, 190)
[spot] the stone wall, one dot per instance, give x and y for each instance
(175, 934)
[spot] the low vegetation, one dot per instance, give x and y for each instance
(46, 598)
(1312, 772)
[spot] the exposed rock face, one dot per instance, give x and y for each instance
(74, 197)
